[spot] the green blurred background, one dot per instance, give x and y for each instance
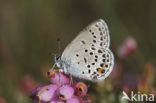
(29, 30)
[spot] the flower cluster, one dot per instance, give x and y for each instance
(60, 90)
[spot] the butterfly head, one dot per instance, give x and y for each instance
(57, 59)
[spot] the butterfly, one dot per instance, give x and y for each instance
(88, 56)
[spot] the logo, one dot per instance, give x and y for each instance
(137, 96)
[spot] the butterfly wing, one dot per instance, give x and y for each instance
(84, 56)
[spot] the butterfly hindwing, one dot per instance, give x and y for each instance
(85, 54)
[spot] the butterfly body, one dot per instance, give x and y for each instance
(88, 56)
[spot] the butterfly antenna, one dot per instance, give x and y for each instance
(59, 45)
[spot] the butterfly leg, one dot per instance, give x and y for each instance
(53, 66)
(71, 79)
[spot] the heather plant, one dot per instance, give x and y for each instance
(60, 90)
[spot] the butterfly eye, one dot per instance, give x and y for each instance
(58, 57)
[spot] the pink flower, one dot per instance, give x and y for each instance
(35, 91)
(84, 101)
(72, 100)
(80, 88)
(127, 47)
(60, 90)
(53, 101)
(58, 78)
(46, 93)
(56, 101)
(65, 92)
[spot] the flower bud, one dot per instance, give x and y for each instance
(80, 88)
(65, 92)
(58, 78)
(34, 92)
(46, 93)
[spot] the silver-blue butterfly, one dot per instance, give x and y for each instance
(88, 56)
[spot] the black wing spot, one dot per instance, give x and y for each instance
(97, 69)
(106, 66)
(104, 55)
(99, 29)
(83, 42)
(94, 41)
(85, 60)
(103, 60)
(104, 37)
(96, 56)
(92, 32)
(94, 36)
(92, 44)
(101, 33)
(95, 60)
(77, 55)
(101, 65)
(86, 50)
(78, 62)
(83, 72)
(99, 51)
(93, 48)
(107, 55)
(89, 71)
(101, 44)
(91, 53)
(88, 66)
(107, 60)
(101, 38)
(93, 63)
(96, 25)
